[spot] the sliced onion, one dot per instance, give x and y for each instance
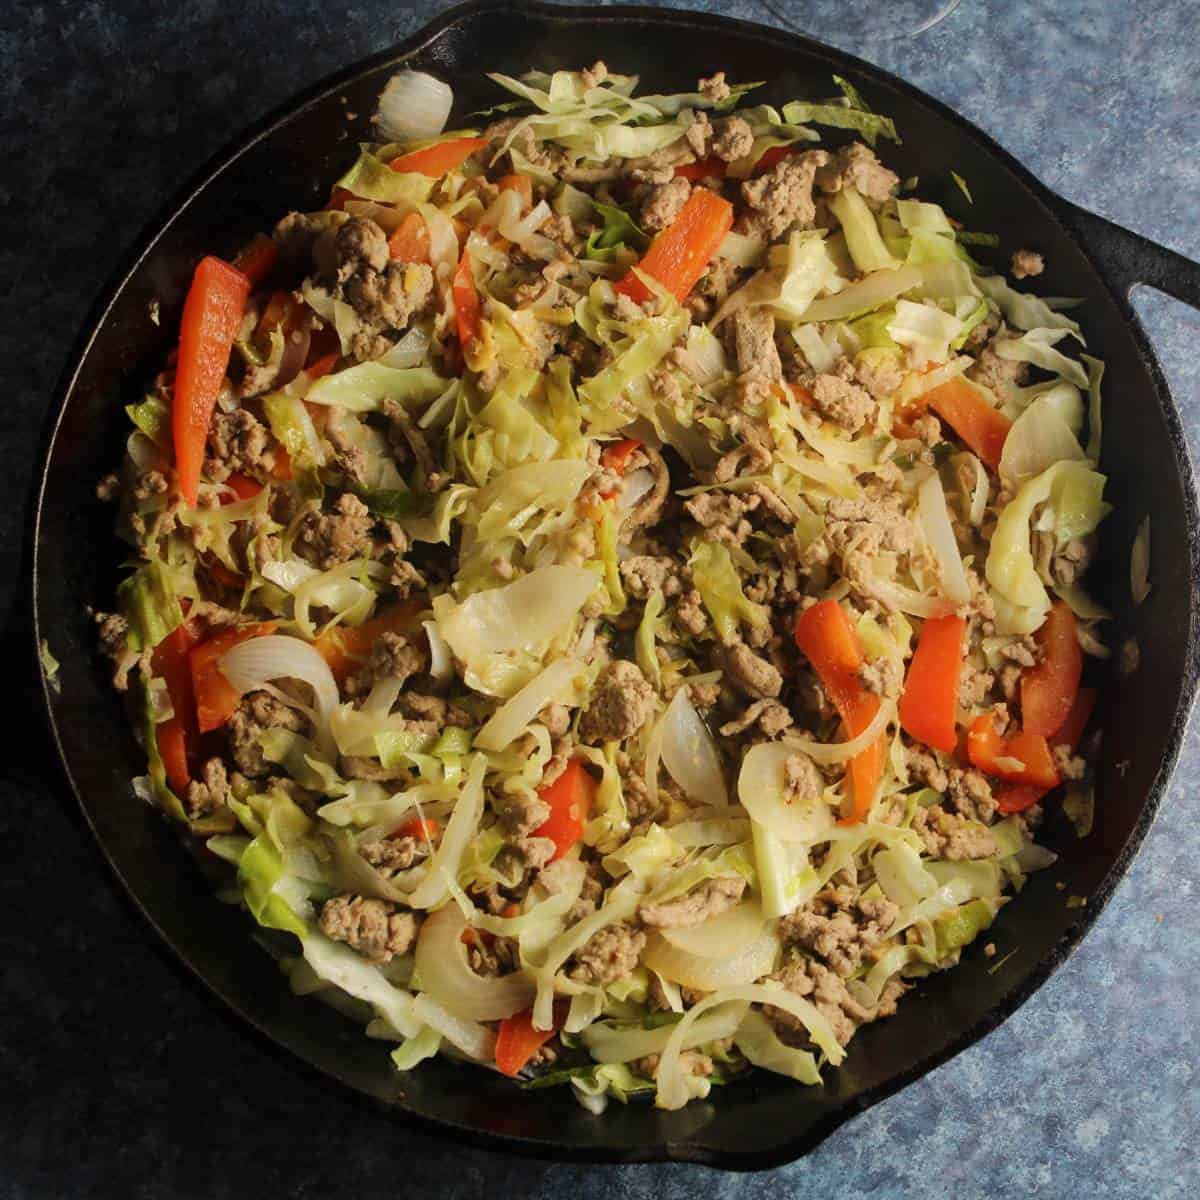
(413, 106)
(689, 753)
(611, 1044)
(939, 534)
(443, 241)
(255, 663)
(441, 665)
(524, 232)
(752, 961)
(762, 789)
(836, 752)
(634, 487)
(476, 1041)
(977, 501)
(509, 721)
(460, 829)
(906, 600)
(441, 963)
(721, 936)
(410, 351)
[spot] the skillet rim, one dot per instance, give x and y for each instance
(790, 1148)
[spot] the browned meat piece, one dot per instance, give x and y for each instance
(804, 781)
(664, 203)
(770, 717)
(722, 514)
(827, 990)
(237, 442)
(782, 198)
(971, 795)
(1026, 263)
(643, 573)
(520, 814)
(376, 929)
(843, 402)
(924, 768)
(856, 166)
(621, 704)
(733, 138)
(751, 674)
(208, 793)
(384, 303)
(880, 374)
(360, 245)
(950, 836)
(754, 342)
(698, 134)
(309, 237)
(710, 899)
(329, 539)
(995, 372)
(649, 508)
(715, 88)
(691, 1062)
(258, 712)
(392, 854)
(1070, 766)
(840, 928)
(609, 954)
(882, 676)
(392, 657)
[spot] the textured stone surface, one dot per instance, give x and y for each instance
(121, 1079)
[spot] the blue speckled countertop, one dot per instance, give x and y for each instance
(122, 1080)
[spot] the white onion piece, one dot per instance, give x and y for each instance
(1139, 563)
(460, 829)
(413, 106)
(441, 963)
(721, 936)
(443, 241)
(476, 1041)
(689, 753)
(409, 351)
(506, 208)
(939, 534)
(750, 962)
(836, 752)
(634, 487)
(607, 1044)
(257, 662)
(512, 717)
(526, 612)
(762, 789)
(441, 666)
(525, 230)
(906, 600)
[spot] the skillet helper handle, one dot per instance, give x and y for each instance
(1130, 259)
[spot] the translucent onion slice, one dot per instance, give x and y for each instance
(611, 1044)
(476, 1041)
(722, 936)
(939, 534)
(441, 963)
(836, 752)
(751, 962)
(255, 663)
(689, 753)
(762, 788)
(413, 106)
(460, 829)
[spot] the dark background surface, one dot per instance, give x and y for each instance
(121, 1078)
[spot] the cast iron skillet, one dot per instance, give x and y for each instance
(290, 162)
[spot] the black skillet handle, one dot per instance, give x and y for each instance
(1130, 259)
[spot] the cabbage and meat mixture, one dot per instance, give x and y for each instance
(606, 591)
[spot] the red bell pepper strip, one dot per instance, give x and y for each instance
(410, 242)
(243, 487)
(466, 302)
(170, 663)
(1021, 758)
(681, 253)
(436, 160)
(1048, 690)
(1017, 797)
(825, 635)
(704, 168)
(930, 699)
(256, 260)
(338, 198)
(422, 827)
(570, 798)
(981, 426)
(517, 1041)
(211, 316)
(321, 366)
(615, 455)
(216, 698)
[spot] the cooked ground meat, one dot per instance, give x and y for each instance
(374, 928)
(208, 793)
(1026, 263)
(392, 657)
(664, 203)
(237, 442)
(924, 768)
(880, 374)
(722, 514)
(997, 373)
(950, 836)
(520, 813)
(839, 927)
(710, 899)
(609, 954)
(856, 166)
(804, 780)
(769, 716)
(732, 138)
(715, 88)
(751, 674)
(782, 199)
(258, 712)
(621, 704)
(882, 676)
(392, 854)
(327, 539)
(827, 990)
(842, 402)
(971, 795)
(754, 338)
